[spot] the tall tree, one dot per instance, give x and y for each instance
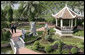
(32, 9)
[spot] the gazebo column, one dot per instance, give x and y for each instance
(61, 23)
(56, 22)
(75, 21)
(71, 23)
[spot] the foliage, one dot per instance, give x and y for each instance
(5, 35)
(65, 51)
(32, 9)
(3, 15)
(60, 46)
(5, 24)
(79, 33)
(74, 50)
(47, 37)
(55, 42)
(41, 9)
(36, 45)
(55, 52)
(50, 19)
(10, 14)
(52, 31)
(48, 48)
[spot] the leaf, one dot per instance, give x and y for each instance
(32, 9)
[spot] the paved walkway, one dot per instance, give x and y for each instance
(27, 51)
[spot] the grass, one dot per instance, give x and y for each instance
(28, 27)
(32, 37)
(5, 42)
(6, 50)
(79, 33)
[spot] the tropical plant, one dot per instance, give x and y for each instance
(74, 50)
(48, 48)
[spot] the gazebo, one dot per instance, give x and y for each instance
(69, 16)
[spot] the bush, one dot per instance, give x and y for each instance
(65, 51)
(5, 24)
(47, 37)
(5, 35)
(48, 48)
(82, 43)
(37, 45)
(50, 20)
(56, 42)
(74, 50)
(52, 31)
(81, 47)
(56, 52)
(60, 46)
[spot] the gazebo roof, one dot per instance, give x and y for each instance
(67, 13)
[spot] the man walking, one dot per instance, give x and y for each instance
(13, 27)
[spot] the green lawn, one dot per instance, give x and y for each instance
(32, 37)
(28, 27)
(79, 33)
(5, 42)
(6, 50)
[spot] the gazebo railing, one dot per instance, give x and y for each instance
(66, 28)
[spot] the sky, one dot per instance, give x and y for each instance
(16, 6)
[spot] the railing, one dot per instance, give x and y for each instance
(22, 41)
(66, 32)
(64, 28)
(13, 46)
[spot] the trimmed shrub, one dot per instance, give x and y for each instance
(36, 45)
(65, 51)
(81, 47)
(74, 50)
(56, 42)
(5, 35)
(52, 31)
(5, 24)
(48, 48)
(47, 37)
(60, 46)
(56, 52)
